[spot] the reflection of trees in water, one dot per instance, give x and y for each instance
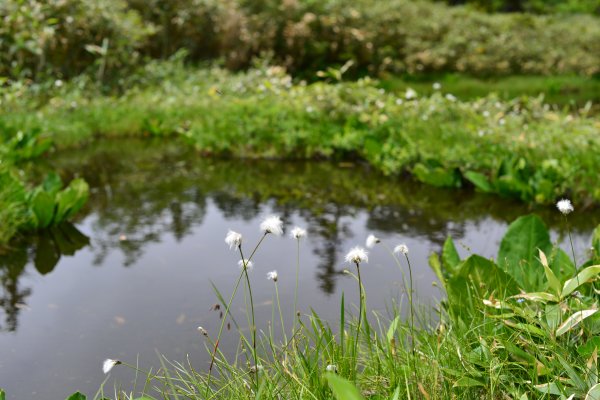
(45, 249)
(142, 191)
(12, 265)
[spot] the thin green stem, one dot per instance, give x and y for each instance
(237, 284)
(360, 311)
(253, 327)
(572, 248)
(412, 317)
(296, 289)
(280, 313)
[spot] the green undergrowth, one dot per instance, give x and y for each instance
(524, 326)
(25, 207)
(519, 148)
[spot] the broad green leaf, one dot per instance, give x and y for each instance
(47, 254)
(593, 393)
(437, 176)
(70, 200)
(537, 296)
(392, 329)
(574, 320)
(436, 266)
(450, 257)
(562, 265)
(342, 388)
(480, 181)
(584, 276)
(52, 184)
(2, 395)
(531, 329)
(466, 381)
(549, 388)
(487, 276)
(77, 396)
(518, 251)
(553, 282)
(589, 347)
(42, 205)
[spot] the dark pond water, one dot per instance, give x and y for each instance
(132, 276)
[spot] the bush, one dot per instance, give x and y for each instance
(63, 38)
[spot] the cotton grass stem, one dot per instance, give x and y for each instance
(237, 284)
(253, 327)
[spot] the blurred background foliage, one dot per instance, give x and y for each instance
(107, 38)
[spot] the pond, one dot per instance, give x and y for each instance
(133, 276)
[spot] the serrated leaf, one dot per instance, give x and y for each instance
(574, 320)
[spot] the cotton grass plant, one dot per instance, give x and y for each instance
(490, 338)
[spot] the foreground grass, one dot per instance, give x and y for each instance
(503, 331)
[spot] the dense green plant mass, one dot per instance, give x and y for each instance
(520, 148)
(25, 209)
(524, 327)
(64, 38)
(535, 6)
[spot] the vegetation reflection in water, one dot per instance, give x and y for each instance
(142, 190)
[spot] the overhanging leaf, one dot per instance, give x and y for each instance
(342, 388)
(574, 320)
(584, 276)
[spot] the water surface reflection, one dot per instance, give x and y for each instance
(161, 211)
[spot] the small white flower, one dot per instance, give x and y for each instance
(399, 101)
(272, 276)
(298, 232)
(401, 249)
(501, 121)
(437, 86)
(108, 364)
(451, 97)
(372, 240)
(331, 368)
(357, 255)
(272, 224)
(58, 83)
(486, 113)
(410, 94)
(233, 239)
(202, 331)
(565, 206)
(246, 264)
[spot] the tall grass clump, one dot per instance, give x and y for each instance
(524, 326)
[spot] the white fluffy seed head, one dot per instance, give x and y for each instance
(357, 255)
(565, 206)
(272, 276)
(233, 239)
(108, 364)
(401, 249)
(331, 368)
(202, 331)
(246, 264)
(372, 240)
(272, 224)
(298, 232)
